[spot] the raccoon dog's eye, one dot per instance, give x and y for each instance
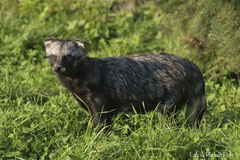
(51, 57)
(68, 57)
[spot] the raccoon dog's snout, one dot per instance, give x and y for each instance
(58, 69)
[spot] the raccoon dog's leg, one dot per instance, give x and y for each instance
(195, 110)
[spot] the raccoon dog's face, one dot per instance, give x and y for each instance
(65, 55)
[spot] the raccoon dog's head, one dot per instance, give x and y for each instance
(65, 55)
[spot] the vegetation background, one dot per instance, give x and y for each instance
(39, 118)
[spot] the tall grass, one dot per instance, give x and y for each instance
(41, 120)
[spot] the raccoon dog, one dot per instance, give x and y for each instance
(108, 86)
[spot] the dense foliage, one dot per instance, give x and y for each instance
(39, 118)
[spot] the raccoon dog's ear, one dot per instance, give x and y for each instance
(49, 41)
(80, 43)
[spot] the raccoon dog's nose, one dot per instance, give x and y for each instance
(58, 69)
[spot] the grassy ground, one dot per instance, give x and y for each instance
(41, 120)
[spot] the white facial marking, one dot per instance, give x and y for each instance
(63, 69)
(60, 49)
(81, 44)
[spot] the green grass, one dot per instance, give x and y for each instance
(41, 120)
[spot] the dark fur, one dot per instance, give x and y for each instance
(113, 85)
